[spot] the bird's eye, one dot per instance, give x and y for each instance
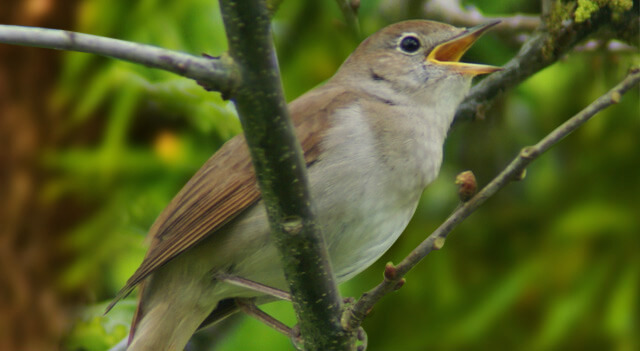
(410, 44)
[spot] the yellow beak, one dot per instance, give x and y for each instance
(450, 52)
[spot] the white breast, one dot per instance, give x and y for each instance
(366, 195)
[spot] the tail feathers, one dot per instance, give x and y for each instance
(131, 284)
(137, 315)
(124, 292)
(166, 326)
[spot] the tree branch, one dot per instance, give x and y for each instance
(217, 74)
(281, 172)
(559, 35)
(451, 11)
(514, 171)
(349, 10)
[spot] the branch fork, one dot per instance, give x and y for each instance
(515, 171)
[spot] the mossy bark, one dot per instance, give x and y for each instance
(281, 173)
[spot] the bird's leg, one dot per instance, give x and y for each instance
(252, 285)
(249, 307)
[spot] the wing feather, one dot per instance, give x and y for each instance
(226, 185)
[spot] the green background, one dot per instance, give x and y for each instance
(550, 262)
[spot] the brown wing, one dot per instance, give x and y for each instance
(225, 186)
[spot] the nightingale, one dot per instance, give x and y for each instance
(372, 138)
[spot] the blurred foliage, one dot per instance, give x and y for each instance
(549, 263)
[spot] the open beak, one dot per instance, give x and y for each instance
(450, 52)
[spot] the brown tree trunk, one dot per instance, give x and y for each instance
(32, 313)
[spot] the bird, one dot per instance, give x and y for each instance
(372, 138)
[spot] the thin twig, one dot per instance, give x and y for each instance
(608, 45)
(451, 11)
(545, 47)
(514, 171)
(545, 8)
(213, 73)
(349, 10)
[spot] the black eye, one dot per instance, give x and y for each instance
(410, 44)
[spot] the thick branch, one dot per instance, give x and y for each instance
(557, 38)
(281, 172)
(514, 171)
(214, 74)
